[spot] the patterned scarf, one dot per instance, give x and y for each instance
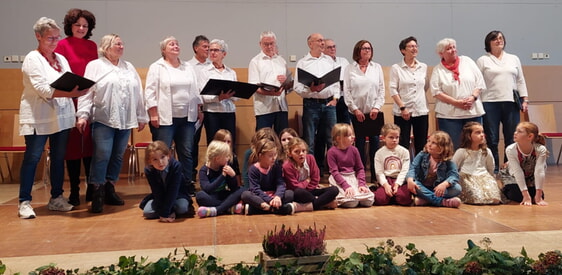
(453, 68)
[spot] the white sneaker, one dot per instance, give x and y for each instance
(59, 204)
(25, 211)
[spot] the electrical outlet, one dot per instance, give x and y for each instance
(546, 56)
(293, 58)
(7, 58)
(22, 58)
(15, 58)
(534, 56)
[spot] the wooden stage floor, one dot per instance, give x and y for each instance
(122, 228)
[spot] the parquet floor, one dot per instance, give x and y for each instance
(81, 239)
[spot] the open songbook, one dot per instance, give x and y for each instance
(69, 80)
(241, 89)
(329, 78)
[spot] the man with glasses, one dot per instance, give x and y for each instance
(267, 67)
(319, 101)
(342, 114)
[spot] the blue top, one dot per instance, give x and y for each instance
(446, 170)
(272, 181)
(167, 186)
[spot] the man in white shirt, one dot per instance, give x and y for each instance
(342, 114)
(199, 61)
(319, 101)
(270, 106)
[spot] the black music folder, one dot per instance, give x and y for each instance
(329, 78)
(69, 80)
(241, 89)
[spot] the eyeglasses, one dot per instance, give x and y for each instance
(331, 47)
(52, 39)
(120, 44)
(412, 46)
(366, 49)
(215, 50)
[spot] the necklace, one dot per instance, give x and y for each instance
(52, 61)
(521, 151)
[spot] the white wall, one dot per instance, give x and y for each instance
(529, 26)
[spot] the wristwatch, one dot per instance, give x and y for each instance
(402, 108)
(475, 97)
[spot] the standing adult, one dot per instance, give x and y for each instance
(78, 49)
(456, 83)
(172, 96)
(342, 114)
(199, 61)
(114, 105)
(408, 83)
(364, 96)
(502, 74)
(45, 113)
(319, 101)
(270, 107)
(219, 110)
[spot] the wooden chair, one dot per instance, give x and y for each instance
(18, 146)
(543, 116)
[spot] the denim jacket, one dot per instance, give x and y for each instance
(446, 170)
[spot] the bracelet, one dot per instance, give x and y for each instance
(402, 108)
(475, 97)
(526, 100)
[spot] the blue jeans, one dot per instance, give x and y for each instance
(277, 120)
(180, 207)
(35, 144)
(109, 146)
(317, 122)
(216, 121)
(428, 194)
(182, 133)
(506, 113)
(453, 127)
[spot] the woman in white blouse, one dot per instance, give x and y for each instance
(173, 104)
(219, 110)
(408, 83)
(45, 113)
(114, 105)
(364, 96)
(502, 74)
(456, 83)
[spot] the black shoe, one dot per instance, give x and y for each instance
(286, 209)
(74, 198)
(111, 197)
(98, 195)
(89, 191)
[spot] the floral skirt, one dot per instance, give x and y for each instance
(479, 189)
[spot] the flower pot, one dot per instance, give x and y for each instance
(307, 264)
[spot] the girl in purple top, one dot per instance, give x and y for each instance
(346, 169)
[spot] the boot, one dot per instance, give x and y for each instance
(98, 195)
(74, 197)
(111, 197)
(89, 191)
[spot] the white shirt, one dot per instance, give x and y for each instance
(501, 77)
(442, 81)
(317, 66)
(211, 103)
(39, 112)
(158, 91)
(340, 62)
(392, 163)
(474, 162)
(265, 69)
(363, 91)
(514, 167)
(409, 84)
(116, 100)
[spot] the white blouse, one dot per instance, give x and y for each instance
(363, 91)
(410, 85)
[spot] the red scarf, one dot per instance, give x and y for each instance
(453, 68)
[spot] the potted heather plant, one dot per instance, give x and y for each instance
(302, 249)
